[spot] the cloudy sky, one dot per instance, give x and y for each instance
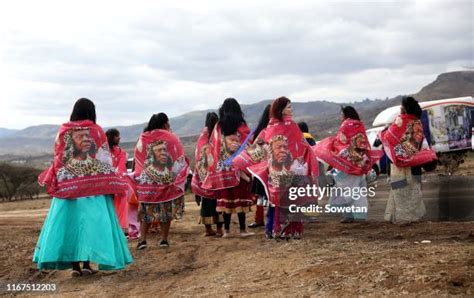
(136, 58)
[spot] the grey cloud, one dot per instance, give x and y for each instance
(176, 59)
(230, 45)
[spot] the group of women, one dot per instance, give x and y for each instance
(234, 168)
(237, 167)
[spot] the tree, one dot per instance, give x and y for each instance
(18, 181)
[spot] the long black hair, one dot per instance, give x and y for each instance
(111, 134)
(263, 122)
(157, 121)
(84, 109)
(412, 107)
(350, 113)
(230, 116)
(211, 120)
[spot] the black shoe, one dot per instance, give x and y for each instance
(141, 245)
(255, 225)
(164, 244)
(268, 235)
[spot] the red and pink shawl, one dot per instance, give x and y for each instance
(71, 178)
(159, 178)
(201, 165)
(349, 151)
(252, 154)
(288, 156)
(402, 142)
(220, 174)
(119, 159)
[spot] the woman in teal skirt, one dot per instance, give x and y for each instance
(82, 224)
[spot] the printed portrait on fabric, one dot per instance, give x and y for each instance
(257, 151)
(159, 165)
(411, 141)
(204, 161)
(82, 157)
(229, 145)
(282, 165)
(356, 152)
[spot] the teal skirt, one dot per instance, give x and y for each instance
(83, 229)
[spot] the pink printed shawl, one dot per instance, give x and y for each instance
(85, 171)
(288, 155)
(349, 151)
(160, 167)
(221, 175)
(402, 142)
(201, 166)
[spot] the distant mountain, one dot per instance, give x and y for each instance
(191, 123)
(322, 117)
(5, 132)
(448, 85)
(26, 146)
(45, 131)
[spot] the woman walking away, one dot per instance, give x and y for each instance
(350, 155)
(160, 176)
(231, 186)
(402, 142)
(119, 161)
(289, 161)
(81, 225)
(206, 198)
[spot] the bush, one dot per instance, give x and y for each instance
(18, 182)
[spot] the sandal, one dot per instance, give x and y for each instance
(76, 273)
(245, 234)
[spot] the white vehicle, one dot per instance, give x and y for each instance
(129, 165)
(448, 126)
(372, 136)
(380, 166)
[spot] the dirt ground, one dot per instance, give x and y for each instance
(370, 258)
(333, 259)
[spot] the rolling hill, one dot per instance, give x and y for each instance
(321, 116)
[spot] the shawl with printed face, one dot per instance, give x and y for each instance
(220, 174)
(289, 160)
(82, 163)
(349, 151)
(160, 167)
(402, 142)
(201, 165)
